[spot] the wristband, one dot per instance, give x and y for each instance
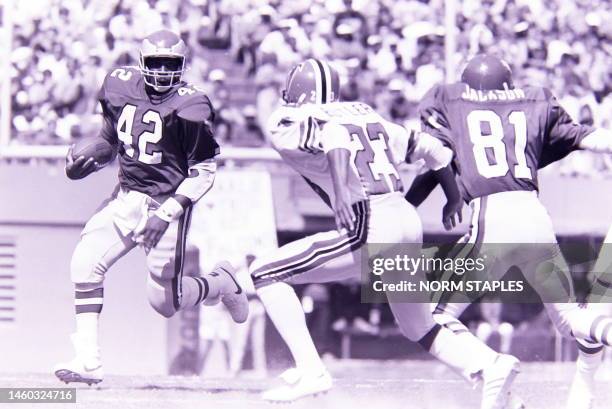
(170, 210)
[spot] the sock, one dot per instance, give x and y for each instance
(589, 359)
(88, 306)
(465, 354)
(485, 356)
(195, 290)
(205, 289)
(285, 311)
(588, 324)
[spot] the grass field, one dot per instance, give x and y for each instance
(359, 385)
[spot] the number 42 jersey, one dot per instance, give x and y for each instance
(500, 138)
(158, 136)
(303, 135)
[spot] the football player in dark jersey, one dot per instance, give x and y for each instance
(501, 135)
(160, 128)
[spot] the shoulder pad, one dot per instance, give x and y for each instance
(539, 93)
(120, 80)
(194, 106)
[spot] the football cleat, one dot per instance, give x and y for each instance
(86, 367)
(497, 381)
(299, 385)
(581, 393)
(514, 402)
(232, 295)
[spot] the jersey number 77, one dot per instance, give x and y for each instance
(496, 141)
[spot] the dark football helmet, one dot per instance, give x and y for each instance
(312, 81)
(162, 60)
(486, 72)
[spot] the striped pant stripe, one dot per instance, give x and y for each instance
(179, 258)
(317, 254)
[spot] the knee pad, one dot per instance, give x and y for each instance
(86, 267)
(162, 296)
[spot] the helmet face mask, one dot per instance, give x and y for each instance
(162, 72)
(162, 60)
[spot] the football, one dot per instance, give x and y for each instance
(93, 147)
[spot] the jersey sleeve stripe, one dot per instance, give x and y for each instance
(411, 146)
(305, 135)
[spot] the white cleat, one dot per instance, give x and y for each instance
(497, 381)
(582, 392)
(516, 403)
(233, 296)
(299, 385)
(85, 368)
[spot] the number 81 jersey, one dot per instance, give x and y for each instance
(158, 136)
(500, 138)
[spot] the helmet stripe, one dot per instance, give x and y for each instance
(323, 81)
(318, 80)
(328, 80)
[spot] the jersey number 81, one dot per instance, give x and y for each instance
(495, 143)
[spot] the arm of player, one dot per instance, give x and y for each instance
(339, 167)
(438, 158)
(78, 168)
(200, 150)
(197, 184)
(599, 141)
(335, 142)
(421, 188)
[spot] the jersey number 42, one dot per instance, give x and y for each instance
(146, 154)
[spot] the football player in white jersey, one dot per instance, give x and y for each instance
(349, 155)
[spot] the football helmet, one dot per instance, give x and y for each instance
(162, 60)
(486, 72)
(312, 81)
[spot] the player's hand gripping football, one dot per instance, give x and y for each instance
(80, 167)
(153, 232)
(451, 214)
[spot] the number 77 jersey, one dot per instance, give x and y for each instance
(500, 138)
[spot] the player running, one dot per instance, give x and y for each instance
(501, 135)
(349, 155)
(161, 128)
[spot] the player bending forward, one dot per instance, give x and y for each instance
(160, 127)
(501, 135)
(349, 155)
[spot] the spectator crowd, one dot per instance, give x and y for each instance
(389, 53)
